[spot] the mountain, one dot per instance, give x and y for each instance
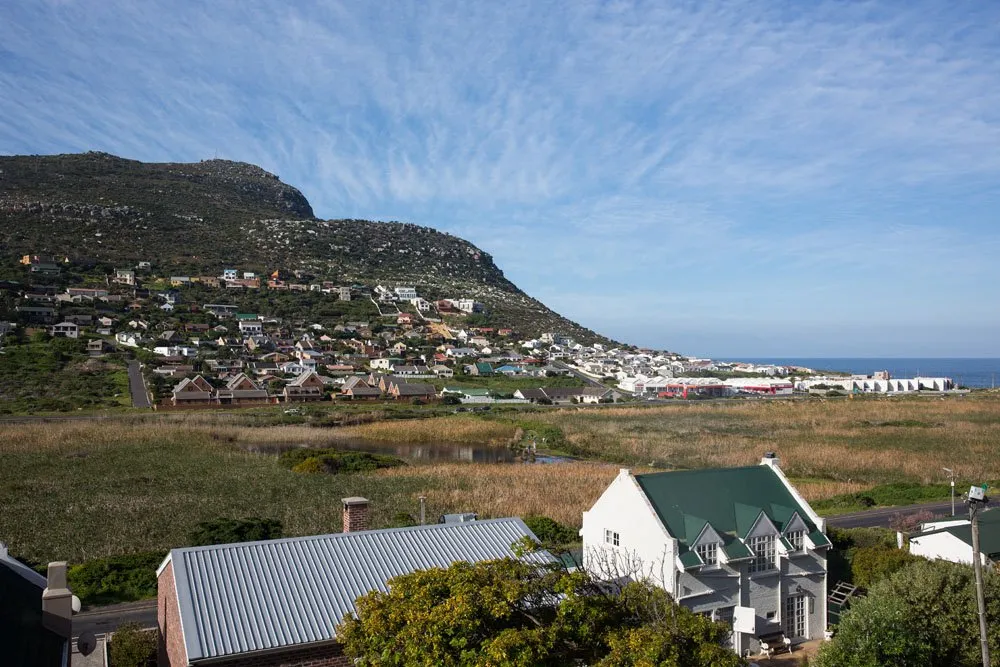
(198, 218)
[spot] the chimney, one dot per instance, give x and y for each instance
(57, 601)
(355, 514)
(771, 459)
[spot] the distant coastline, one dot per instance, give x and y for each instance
(972, 373)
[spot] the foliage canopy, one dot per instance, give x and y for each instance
(511, 613)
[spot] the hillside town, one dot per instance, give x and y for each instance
(387, 343)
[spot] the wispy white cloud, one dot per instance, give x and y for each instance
(692, 155)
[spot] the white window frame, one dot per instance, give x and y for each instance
(796, 538)
(709, 553)
(764, 548)
(611, 537)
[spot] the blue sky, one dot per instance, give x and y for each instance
(716, 178)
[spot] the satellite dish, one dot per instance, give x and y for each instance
(86, 643)
(76, 605)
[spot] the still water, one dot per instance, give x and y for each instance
(440, 452)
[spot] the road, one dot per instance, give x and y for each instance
(106, 619)
(883, 516)
(586, 378)
(137, 385)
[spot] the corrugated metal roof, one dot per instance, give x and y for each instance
(251, 596)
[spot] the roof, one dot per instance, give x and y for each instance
(729, 499)
(989, 533)
(251, 596)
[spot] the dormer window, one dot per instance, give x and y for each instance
(797, 539)
(764, 551)
(709, 553)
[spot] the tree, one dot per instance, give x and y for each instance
(512, 613)
(925, 614)
(131, 646)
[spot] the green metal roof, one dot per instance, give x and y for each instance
(989, 533)
(690, 559)
(730, 499)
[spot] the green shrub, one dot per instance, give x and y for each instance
(131, 646)
(335, 462)
(227, 531)
(869, 565)
(309, 466)
(551, 532)
(116, 579)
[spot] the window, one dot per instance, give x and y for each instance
(611, 537)
(764, 552)
(709, 553)
(797, 539)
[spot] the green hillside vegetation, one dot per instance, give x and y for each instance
(47, 374)
(198, 218)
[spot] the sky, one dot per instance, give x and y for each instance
(721, 179)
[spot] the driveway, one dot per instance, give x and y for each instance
(137, 385)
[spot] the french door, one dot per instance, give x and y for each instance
(795, 616)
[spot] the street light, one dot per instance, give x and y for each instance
(951, 474)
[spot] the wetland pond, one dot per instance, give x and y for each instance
(423, 452)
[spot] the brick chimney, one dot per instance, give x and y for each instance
(57, 601)
(355, 514)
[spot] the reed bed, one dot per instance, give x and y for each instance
(561, 491)
(866, 441)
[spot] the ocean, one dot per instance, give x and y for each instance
(965, 372)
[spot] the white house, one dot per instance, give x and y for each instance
(951, 539)
(251, 327)
(229, 274)
(738, 544)
(65, 330)
(405, 293)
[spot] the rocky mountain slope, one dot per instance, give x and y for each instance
(199, 218)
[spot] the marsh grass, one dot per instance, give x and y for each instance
(560, 491)
(831, 440)
(84, 489)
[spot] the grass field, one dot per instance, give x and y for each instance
(80, 490)
(868, 441)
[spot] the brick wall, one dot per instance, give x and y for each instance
(172, 652)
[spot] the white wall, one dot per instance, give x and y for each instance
(942, 546)
(643, 540)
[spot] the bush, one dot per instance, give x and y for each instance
(869, 565)
(116, 579)
(334, 462)
(227, 531)
(309, 466)
(551, 532)
(924, 615)
(131, 646)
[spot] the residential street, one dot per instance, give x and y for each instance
(103, 620)
(137, 385)
(883, 516)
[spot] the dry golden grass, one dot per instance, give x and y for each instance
(863, 441)
(561, 491)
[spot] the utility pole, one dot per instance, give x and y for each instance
(951, 474)
(977, 499)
